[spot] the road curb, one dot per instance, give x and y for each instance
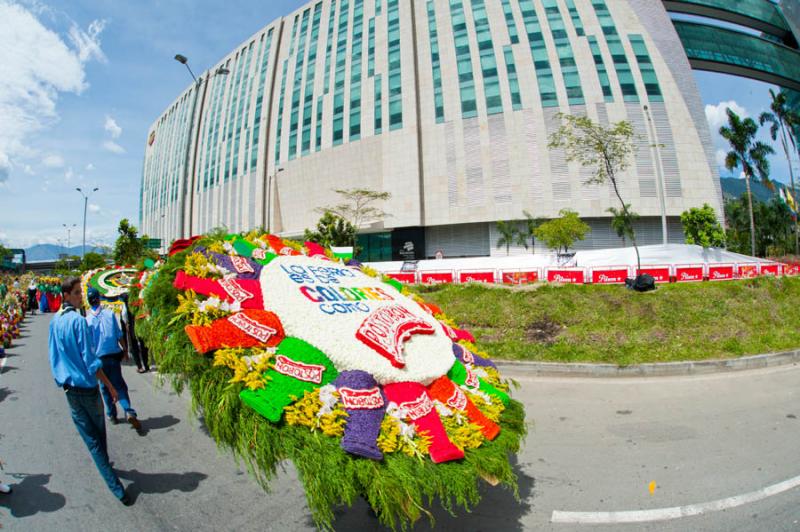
(526, 368)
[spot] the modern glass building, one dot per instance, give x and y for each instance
(445, 104)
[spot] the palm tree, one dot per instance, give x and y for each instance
(531, 224)
(510, 235)
(748, 153)
(783, 119)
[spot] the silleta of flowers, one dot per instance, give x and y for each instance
(12, 312)
(111, 282)
(364, 385)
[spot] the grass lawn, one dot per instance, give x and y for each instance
(609, 324)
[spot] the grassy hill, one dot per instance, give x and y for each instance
(610, 324)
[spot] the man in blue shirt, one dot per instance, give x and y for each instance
(106, 336)
(76, 369)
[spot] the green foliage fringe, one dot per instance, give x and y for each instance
(399, 489)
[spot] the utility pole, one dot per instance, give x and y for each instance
(85, 206)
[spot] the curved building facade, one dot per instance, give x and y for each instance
(445, 104)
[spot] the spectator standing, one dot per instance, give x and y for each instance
(77, 369)
(32, 297)
(106, 336)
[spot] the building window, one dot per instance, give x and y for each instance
(602, 73)
(338, 84)
(513, 82)
(491, 79)
(511, 24)
(438, 96)
(541, 60)
(294, 116)
(311, 68)
(569, 69)
(621, 65)
(378, 105)
(576, 17)
(262, 78)
(329, 47)
(356, 53)
(646, 68)
(395, 72)
(466, 80)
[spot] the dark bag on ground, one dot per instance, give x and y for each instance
(642, 283)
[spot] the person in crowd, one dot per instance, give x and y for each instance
(135, 346)
(76, 368)
(32, 297)
(111, 346)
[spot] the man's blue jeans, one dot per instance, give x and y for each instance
(87, 414)
(113, 370)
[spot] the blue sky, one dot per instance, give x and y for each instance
(82, 80)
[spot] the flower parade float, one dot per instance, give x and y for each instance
(12, 312)
(370, 391)
(112, 282)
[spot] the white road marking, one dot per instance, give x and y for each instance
(676, 512)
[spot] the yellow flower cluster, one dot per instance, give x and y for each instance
(492, 375)
(391, 440)
(197, 265)
(188, 309)
(217, 247)
(492, 410)
(305, 412)
(463, 433)
(248, 365)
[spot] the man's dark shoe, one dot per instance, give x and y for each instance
(114, 420)
(126, 499)
(135, 423)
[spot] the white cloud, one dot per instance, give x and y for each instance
(94, 208)
(112, 127)
(89, 167)
(45, 185)
(28, 170)
(113, 147)
(68, 175)
(53, 161)
(5, 167)
(37, 65)
(718, 117)
(720, 155)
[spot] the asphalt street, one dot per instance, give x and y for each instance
(595, 446)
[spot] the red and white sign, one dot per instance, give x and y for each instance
(721, 272)
(233, 289)
(386, 329)
(566, 275)
(241, 264)
(436, 277)
(458, 400)
(403, 277)
(420, 407)
(361, 399)
(611, 275)
(748, 271)
(659, 273)
(520, 277)
(771, 269)
(472, 379)
(251, 327)
(689, 273)
(476, 277)
(791, 269)
(298, 370)
(259, 254)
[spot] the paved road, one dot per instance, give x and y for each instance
(594, 446)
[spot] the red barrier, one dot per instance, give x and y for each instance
(689, 273)
(771, 269)
(721, 272)
(791, 269)
(747, 271)
(566, 275)
(660, 273)
(403, 277)
(476, 277)
(520, 277)
(439, 277)
(610, 275)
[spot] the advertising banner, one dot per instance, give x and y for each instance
(566, 275)
(791, 269)
(610, 275)
(403, 277)
(659, 273)
(439, 277)
(771, 269)
(476, 276)
(748, 271)
(689, 273)
(721, 272)
(520, 277)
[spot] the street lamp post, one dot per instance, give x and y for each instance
(271, 177)
(85, 205)
(185, 189)
(68, 228)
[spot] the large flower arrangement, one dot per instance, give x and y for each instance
(111, 282)
(12, 312)
(369, 390)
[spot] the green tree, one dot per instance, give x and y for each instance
(783, 119)
(751, 155)
(66, 265)
(510, 235)
(562, 232)
(622, 224)
(128, 248)
(700, 226)
(531, 223)
(358, 208)
(607, 151)
(91, 261)
(773, 223)
(331, 230)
